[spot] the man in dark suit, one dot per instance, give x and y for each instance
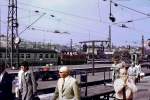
(5, 84)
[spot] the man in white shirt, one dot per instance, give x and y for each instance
(19, 76)
(18, 83)
(133, 72)
(139, 71)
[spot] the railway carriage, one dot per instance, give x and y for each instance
(33, 56)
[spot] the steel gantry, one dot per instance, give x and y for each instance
(12, 32)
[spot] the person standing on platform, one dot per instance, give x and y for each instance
(18, 83)
(116, 66)
(67, 87)
(133, 72)
(5, 84)
(139, 71)
(124, 86)
(28, 83)
(20, 75)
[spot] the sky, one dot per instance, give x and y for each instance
(82, 19)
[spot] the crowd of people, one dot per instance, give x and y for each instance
(67, 87)
(124, 79)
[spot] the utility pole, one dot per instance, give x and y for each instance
(93, 45)
(142, 47)
(71, 46)
(0, 28)
(111, 17)
(93, 58)
(12, 32)
(109, 38)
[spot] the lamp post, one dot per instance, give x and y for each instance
(93, 58)
(142, 47)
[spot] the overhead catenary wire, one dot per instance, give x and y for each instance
(78, 26)
(81, 16)
(68, 14)
(44, 30)
(26, 4)
(130, 28)
(65, 13)
(131, 20)
(99, 12)
(137, 11)
(32, 23)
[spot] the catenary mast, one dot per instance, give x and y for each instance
(12, 32)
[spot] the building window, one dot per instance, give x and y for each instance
(15, 55)
(46, 55)
(52, 55)
(41, 56)
(28, 55)
(22, 56)
(8, 55)
(1, 56)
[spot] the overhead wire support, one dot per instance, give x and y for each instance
(0, 27)
(131, 9)
(12, 32)
(61, 12)
(32, 23)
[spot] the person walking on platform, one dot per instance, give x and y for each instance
(124, 86)
(5, 84)
(67, 87)
(133, 72)
(28, 83)
(18, 83)
(116, 66)
(139, 71)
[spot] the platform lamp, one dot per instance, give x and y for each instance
(17, 42)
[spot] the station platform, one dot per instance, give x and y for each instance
(143, 92)
(97, 85)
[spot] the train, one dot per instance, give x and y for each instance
(41, 57)
(35, 57)
(72, 57)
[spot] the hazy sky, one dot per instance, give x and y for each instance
(83, 19)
